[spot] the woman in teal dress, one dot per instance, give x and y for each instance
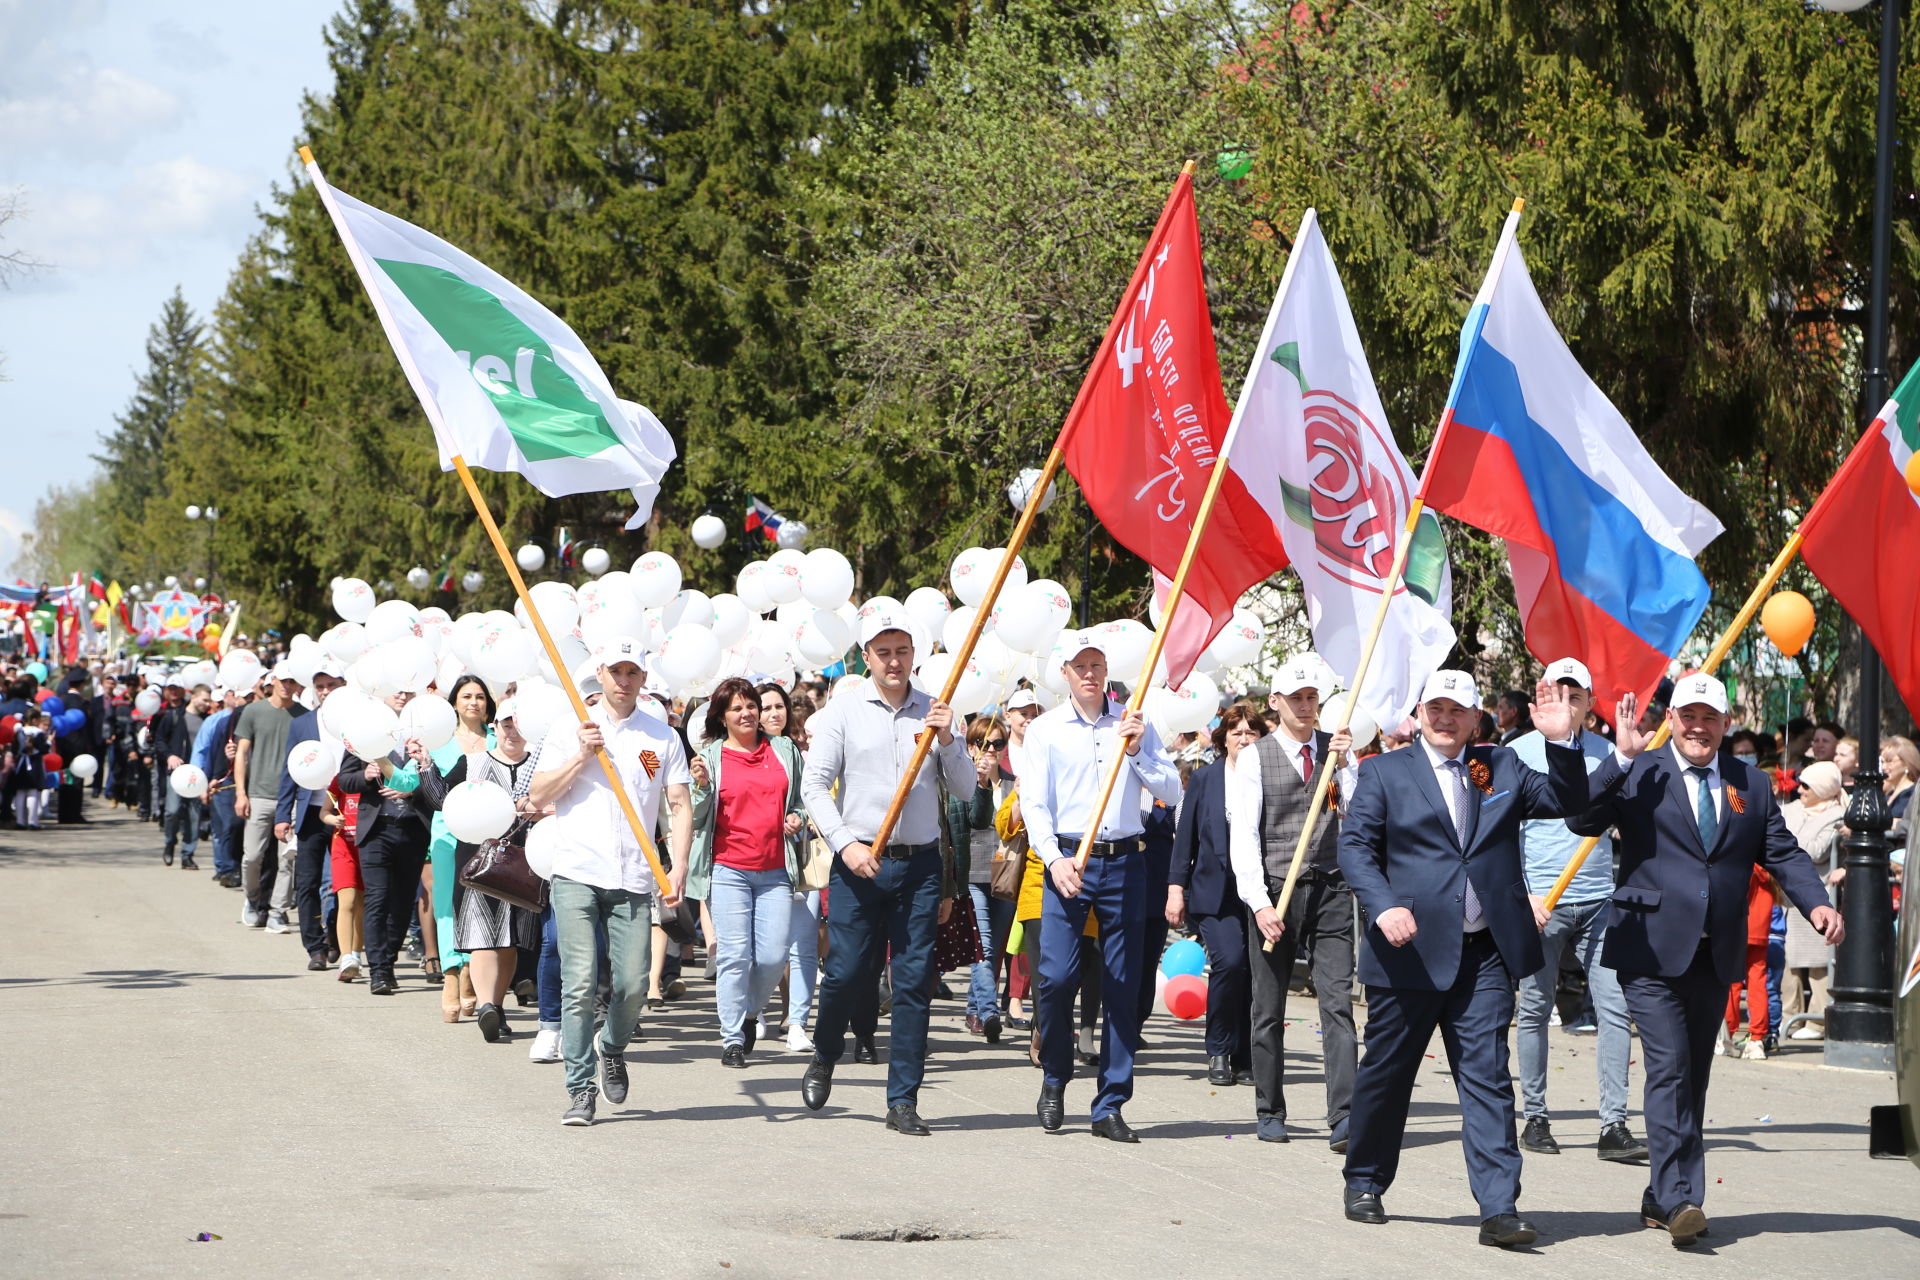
(473, 708)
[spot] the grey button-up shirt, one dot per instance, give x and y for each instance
(862, 743)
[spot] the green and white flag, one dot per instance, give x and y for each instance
(1315, 450)
(505, 383)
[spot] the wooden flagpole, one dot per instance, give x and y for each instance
(1715, 657)
(566, 682)
(1055, 459)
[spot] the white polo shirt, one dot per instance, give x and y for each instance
(595, 844)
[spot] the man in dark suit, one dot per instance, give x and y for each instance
(297, 816)
(393, 836)
(1692, 823)
(1431, 846)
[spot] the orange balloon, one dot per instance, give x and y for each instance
(1788, 619)
(211, 644)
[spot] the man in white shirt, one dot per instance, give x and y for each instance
(600, 874)
(1067, 753)
(1273, 785)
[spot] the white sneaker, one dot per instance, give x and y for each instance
(349, 966)
(762, 1033)
(1806, 1031)
(546, 1047)
(250, 918)
(1720, 1044)
(277, 922)
(1553, 1017)
(798, 1040)
(1754, 1052)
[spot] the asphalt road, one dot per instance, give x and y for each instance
(169, 1073)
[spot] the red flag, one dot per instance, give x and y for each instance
(1145, 433)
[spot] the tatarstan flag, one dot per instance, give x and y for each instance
(1145, 433)
(1860, 536)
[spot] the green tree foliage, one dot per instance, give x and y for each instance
(69, 531)
(135, 457)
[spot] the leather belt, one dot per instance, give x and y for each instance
(1120, 848)
(905, 852)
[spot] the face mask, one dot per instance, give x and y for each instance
(1746, 757)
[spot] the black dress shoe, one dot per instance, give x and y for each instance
(489, 1017)
(1020, 1024)
(1052, 1107)
(733, 1056)
(188, 864)
(863, 1051)
(1219, 1070)
(1537, 1137)
(1114, 1129)
(1364, 1206)
(992, 1027)
(316, 963)
(166, 856)
(1686, 1223)
(1507, 1230)
(904, 1119)
(816, 1085)
(381, 984)
(1618, 1143)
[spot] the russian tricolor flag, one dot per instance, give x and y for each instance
(1601, 542)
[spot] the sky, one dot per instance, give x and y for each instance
(139, 139)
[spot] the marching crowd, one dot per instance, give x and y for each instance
(763, 804)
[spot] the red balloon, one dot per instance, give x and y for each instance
(53, 761)
(7, 726)
(1186, 997)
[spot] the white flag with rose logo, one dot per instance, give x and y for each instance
(1315, 450)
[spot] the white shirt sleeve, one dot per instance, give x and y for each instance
(1243, 792)
(675, 769)
(1037, 800)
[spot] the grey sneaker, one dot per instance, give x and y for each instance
(613, 1076)
(580, 1113)
(277, 922)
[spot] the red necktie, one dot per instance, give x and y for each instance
(1306, 763)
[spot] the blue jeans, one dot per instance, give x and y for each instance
(899, 909)
(628, 917)
(548, 971)
(226, 832)
(995, 919)
(180, 821)
(803, 957)
(1115, 890)
(1776, 964)
(752, 921)
(1582, 926)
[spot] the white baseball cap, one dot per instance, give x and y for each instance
(1075, 643)
(284, 671)
(881, 621)
(1022, 698)
(622, 649)
(507, 710)
(1699, 689)
(1570, 669)
(1457, 685)
(586, 677)
(1303, 671)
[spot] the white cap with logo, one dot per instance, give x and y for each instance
(1303, 671)
(1699, 689)
(622, 649)
(1570, 669)
(1022, 698)
(1074, 643)
(1457, 685)
(881, 621)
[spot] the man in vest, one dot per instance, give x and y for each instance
(1267, 807)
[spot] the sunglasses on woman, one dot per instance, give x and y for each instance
(995, 744)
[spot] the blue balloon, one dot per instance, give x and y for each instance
(70, 722)
(1184, 957)
(53, 707)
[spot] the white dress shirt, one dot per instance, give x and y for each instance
(1714, 782)
(595, 844)
(1246, 796)
(1066, 763)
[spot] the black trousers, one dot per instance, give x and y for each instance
(1320, 919)
(1678, 1019)
(1229, 987)
(390, 863)
(310, 851)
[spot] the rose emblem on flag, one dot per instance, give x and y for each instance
(1357, 507)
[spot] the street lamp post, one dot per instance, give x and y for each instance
(1859, 1021)
(210, 514)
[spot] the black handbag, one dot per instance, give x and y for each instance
(498, 868)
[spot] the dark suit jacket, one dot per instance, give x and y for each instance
(295, 800)
(1398, 848)
(1672, 888)
(353, 781)
(1201, 863)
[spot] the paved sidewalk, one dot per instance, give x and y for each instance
(168, 1072)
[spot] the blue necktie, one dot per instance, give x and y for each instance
(1708, 817)
(1473, 917)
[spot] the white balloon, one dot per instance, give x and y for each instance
(620, 616)
(688, 607)
(1126, 642)
(313, 764)
(1190, 708)
(1239, 641)
(241, 669)
(409, 663)
(390, 620)
(371, 676)
(973, 569)
(339, 709)
(477, 811)
(610, 586)
(430, 718)
(783, 575)
(370, 729)
(791, 535)
(543, 838)
(529, 557)
(188, 781)
(656, 579)
(433, 613)
(502, 655)
(751, 587)
(538, 707)
(352, 599)
(346, 641)
(953, 631)
(595, 560)
(995, 659)
(688, 656)
(1362, 725)
(466, 628)
(1027, 620)
(574, 651)
(451, 669)
(929, 607)
(730, 619)
(83, 767)
(972, 692)
(822, 639)
(826, 578)
(708, 531)
(559, 606)
(147, 701)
